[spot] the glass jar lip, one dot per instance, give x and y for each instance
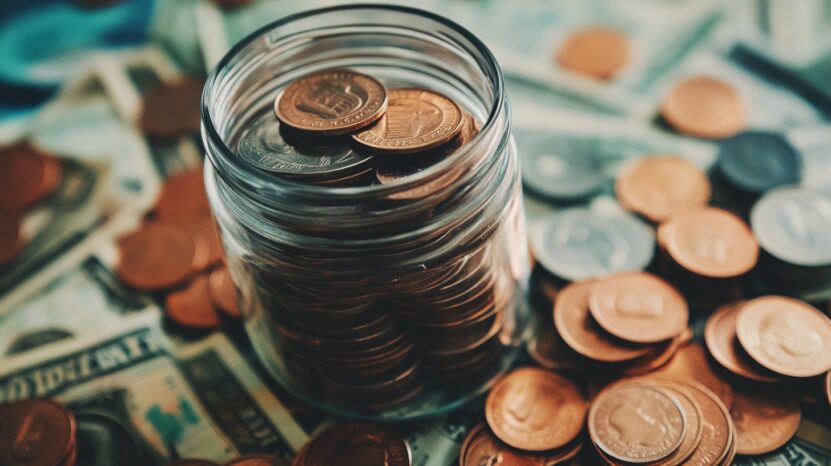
(254, 175)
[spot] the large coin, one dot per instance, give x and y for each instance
(723, 344)
(764, 421)
(154, 257)
(598, 52)
(358, 443)
(11, 239)
(331, 102)
(37, 432)
(757, 161)
(704, 107)
(559, 174)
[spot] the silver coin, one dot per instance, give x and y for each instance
(793, 225)
(560, 174)
(268, 146)
(577, 244)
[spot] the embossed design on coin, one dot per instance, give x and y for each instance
(36, 432)
(705, 107)
(358, 443)
(723, 344)
(480, 448)
(764, 421)
(718, 432)
(596, 51)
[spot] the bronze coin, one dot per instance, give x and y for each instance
(764, 420)
(718, 431)
(332, 102)
(785, 335)
(481, 447)
(598, 51)
(192, 306)
(11, 238)
(710, 242)
(723, 344)
(155, 257)
(704, 107)
(638, 307)
(548, 350)
(258, 460)
(202, 231)
(358, 443)
(581, 333)
(691, 363)
(191, 462)
(535, 410)
(36, 433)
(26, 177)
(223, 292)
(416, 120)
(172, 109)
(183, 196)
(658, 356)
(658, 186)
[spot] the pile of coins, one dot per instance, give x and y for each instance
(37, 432)
(356, 443)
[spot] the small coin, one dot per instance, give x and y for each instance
(691, 363)
(535, 410)
(192, 306)
(480, 447)
(757, 161)
(710, 242)
(11, 239)
(639, 307)
(416, 120)
(331, 102)
(258, 460)
(358, 443)
(559, 175)
(26, 177)
(36, 432)
(723, 344)
(172, 109)
(704, 107)
(183, 196)
(764, 421)
(658, 186)
(598, 51)
(785, 335)
(223, 292)
(155, 257)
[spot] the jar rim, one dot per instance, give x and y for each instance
(486, 59)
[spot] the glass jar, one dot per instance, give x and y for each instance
(385, 301)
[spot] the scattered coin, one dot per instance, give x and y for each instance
(223, 292)
(481, 447)
(757, 161)
(704, 107)
(11, 240)
(598, 51)
(27, 176)
(207, 247)
(764, 421)
(172, 109)
(36, 432)
(192, 306)
(183, 196)
(155, 257)
(258, 460)
(560, 175)
(719, 430)
(357, 443)
(723, 344)
(691, 363)
(693, 418)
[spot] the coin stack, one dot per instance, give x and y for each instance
(37, 432)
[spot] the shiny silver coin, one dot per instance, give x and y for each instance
(562, 173)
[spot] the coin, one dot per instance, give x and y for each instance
(580, 331)
(693, 417)
(764, 421)
(11, 239)
(192, 306)
(785, 335)
(183, 196)
(36, 432)
(258, 460)
(191, 462)
(691, 363)
(416, 120)
(207, 247)
(26, 176)
(172, 109)
(705, 107)
(358, 443)
(723, 344)
(596, 51)
(480, 447)
(757, 161)
(331, 102)
(636, 423)
(154, 257)
(658, 186)
(535, 410)
(548, 350)
(718, 430)
(710, 242)
(566, 175)
(223, 292)
(638, 307)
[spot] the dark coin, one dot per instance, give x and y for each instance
(183, 196)
(35, 432)
(172, 109)
(756, 161)
(566, 175)
(27, 176)
(156, 256)
(258, 460)
(358, 443)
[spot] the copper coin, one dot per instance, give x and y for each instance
(26, 177)
(548, 350)
(764, 421)
(258, 460)
(636, 423)
(358, 443)
(581, 333)
(155, 257)
(691, 363)
(192, 306)
(658, 356)
(332, 102)
(480, 447)
(599, 52)
(710, 242)
(658, 186)
(416, 120)
(11, 239)
(172, 109)
(723, 344)
(704, 107)
(191, 462)
(223, 292)
(638, 307)
(718, 430)
(183, 196)
(785, 335)
(35, 432)
(535, 410)
(207, 247)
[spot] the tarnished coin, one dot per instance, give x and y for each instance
(192, 306)
(581, 333)
(258, 460)
(792, 224)
(559, 175)
(155, 257)
(331, 102)
(358, 443)
(223, 292)
(658, 186)
(549, 350)
(597, 51)
(710, 242)
(26, 176)
(35, 432)
(786, 335)
(691, 363)
(535, 410)
(636, 423)
(723, 344)
(416, 120)
(764, 420)
(172, 109)
(183, 196)
(757, 161)
(704, 107)
(11, 240)
(639, 307)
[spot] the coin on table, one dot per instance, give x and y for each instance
(416, 120)
(724, 346)
(786, 335)
(26, 176)
(757, 161)
(183, 196)
(192, 306)
(480, 447)
(202, 231)
(639, 307)
(258, 460)
(331, 102)
(172, 109)
(358, 443)
(223, 292)
(36, 432)
(597, 51)
(705, 107)
(11, 238)
(658, 186)
(559, 174)
(692, 415)
(710, 242)
(764, 420)
(718, 432)
(691, 363)
(155, 257)
(535, 410)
